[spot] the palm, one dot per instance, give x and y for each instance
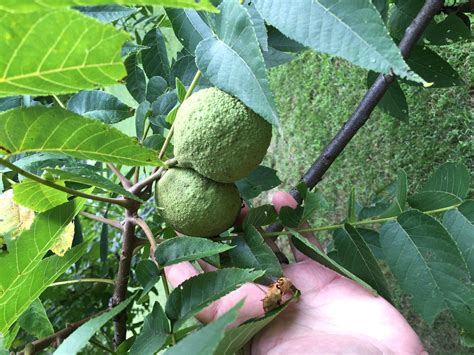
(333, 314)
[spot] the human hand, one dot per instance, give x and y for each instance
(333, 315)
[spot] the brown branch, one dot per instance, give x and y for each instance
(56, 338)
(366, 106)
(123, 180)
(138, 187)
(104, 220)
(149, 234)
(117, 201)
(123, 274)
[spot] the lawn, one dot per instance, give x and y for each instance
(315, 95)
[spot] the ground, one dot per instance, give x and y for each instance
(315, 94)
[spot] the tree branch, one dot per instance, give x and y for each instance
(18, 170)
(138, 187)
(149, 234)
(56, 338)
(366, 106)
(104, 220)
(123, 180)
(123, 274)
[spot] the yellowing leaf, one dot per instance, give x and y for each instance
(64, 242)
(14, 218)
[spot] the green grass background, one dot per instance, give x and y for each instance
(316, 94)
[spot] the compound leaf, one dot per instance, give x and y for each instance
(36, 60)
(41, 129)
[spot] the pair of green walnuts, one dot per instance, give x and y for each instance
(217, 141)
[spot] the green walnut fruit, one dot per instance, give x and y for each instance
(195, 205)
(219, 137)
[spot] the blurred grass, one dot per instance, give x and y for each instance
(315, 95)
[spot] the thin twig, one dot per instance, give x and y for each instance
(60, 103)
(363, 111)
(355, 224)
(123, 180)
(56, 338)
(94, 280)
(149, 234)
(101, 346)
(18, 170)
(101, 219)
(138, 187)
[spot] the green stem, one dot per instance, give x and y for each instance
(70, 282)
(359, 223)
(167, 294)
(60, 103)
(98, 344)
(170, 133)
(18, 170)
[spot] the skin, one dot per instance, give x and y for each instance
(334, 315)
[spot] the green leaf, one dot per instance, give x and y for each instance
(429, 267)
(280, 42)
(460, 224)
(99, 105)
(345, 29)
(207, 339)
(7, 103)
(141, 114)
(136, 81)
(394, 102)
(311, 251)
(35, 320)
(236, 338)
(313, 201)
(259, 180)
(351, 207)
(7, 339)
(199, 291)
(452, 29)
(450, 177)
(356, 256)
(403, 12)
(79, 53)
(28, 6)
(181, 90)
(155, 332)
(30, 130)
(372, 239)
(38, 197)
(274, 58)
(80, 337)
(251, 251)
(29, 286)
(448, 186)
(433, 68)
(291, 217)
(258, 24)
(189, 27)
(261, 216)
(84, 175)
(179, 249)
(390, 201)
(233, 61)
(147, 274)
(154, 58)
(382, 7)
(106, 13)
(156, 87)
(433, 200)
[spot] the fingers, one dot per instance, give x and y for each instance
(252, 294)
(284, 199)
